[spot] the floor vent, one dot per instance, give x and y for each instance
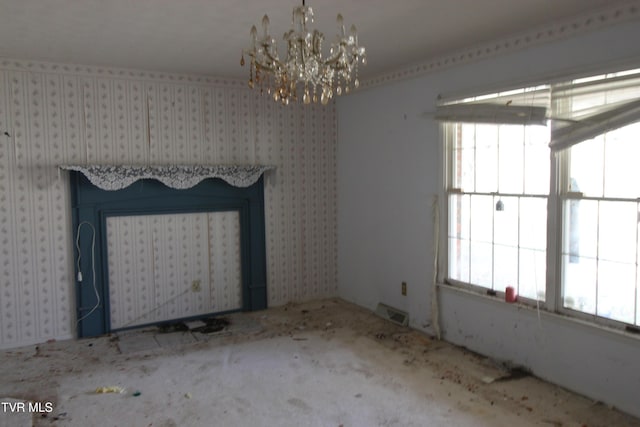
(393, 314)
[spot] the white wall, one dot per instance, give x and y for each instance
(388, 174)
(72, 114)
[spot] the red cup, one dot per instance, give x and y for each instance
(510, 294)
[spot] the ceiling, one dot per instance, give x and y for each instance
(207, 36)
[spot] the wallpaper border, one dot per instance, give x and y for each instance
(148, 76)
(552, 32)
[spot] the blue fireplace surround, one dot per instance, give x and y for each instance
(92, 205)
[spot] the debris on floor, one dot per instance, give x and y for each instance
(167, 328)
(212, 325)
(260, 369)
(515, 373)
(207, 325)
(194, 324)
(110, 389)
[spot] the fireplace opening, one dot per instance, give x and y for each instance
(152, 254)
(172, 266)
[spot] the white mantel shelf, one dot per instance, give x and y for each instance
(117, 177)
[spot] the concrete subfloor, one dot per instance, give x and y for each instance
(322, 363)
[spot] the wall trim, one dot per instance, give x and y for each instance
(79, 70)
(592, 21)
(543, 313)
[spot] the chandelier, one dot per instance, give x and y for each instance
(304, 75)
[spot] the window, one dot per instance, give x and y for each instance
(600, 252)
(499, 185)
(554, 164)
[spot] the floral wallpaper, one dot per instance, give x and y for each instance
(154, 261)
(58, 114)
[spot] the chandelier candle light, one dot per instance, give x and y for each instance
(304, 67)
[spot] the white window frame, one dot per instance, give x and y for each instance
(559, 192)
(488, 108)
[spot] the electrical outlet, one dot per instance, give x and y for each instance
(404, 288)
(195, 286)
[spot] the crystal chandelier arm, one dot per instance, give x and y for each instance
(268, 43)
(264, 67)
(303, 53)
(272, 59)
(258, 60)
(265, 42)
(317, 39)
(338, 53)
(341, 57)
(341, 60)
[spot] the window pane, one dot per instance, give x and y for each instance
(486, 136)
(533, 223)
(486, 158)
(481, 254)
(608, 229)
(505, 267)
(459, 215)
(537, 136)
(532, 280)
(464, 178)
(537, 160)
(622, 151)
(511, 153)
(616, 291)
(489, 163)
(618, 231)
(506, 222)
(464, 157)
(579, 278)
(467, 136)
(459, 259)
(586, 167)
(482, 218)
(536, 169)
(581, 228)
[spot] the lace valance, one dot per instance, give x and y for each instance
(112, 177)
